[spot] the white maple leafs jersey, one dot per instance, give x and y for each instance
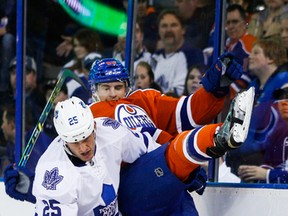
(170, 71)
(64, 185)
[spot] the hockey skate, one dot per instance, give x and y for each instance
(235, 128)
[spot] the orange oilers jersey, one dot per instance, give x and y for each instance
(150, 108)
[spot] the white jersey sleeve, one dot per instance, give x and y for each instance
(130, 144)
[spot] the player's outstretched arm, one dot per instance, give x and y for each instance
(18, 183)
(207, 102)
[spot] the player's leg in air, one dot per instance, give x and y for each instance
(170, 176)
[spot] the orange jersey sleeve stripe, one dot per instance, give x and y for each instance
(182, 163)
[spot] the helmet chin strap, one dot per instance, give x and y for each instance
(96, 97)
(66, 148)
(129, 90)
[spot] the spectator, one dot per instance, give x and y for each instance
(171, 62)
(140, 52)
(8, 128)
(34, 97)
(274, 168)
(84, 41)
(36, 30)
(266, 23)
(45, 137)
(147, 16)
(193, 78)
(120, 46)
(246, 4)
(34, 101)
(284, 31)
(59, 48)
(265, 63)
(198, 16)
(239, 42)
(7, 40)
(48, 127)
(145, 77)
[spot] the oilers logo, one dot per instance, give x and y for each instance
(133, 116)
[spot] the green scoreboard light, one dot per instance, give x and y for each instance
(95, 15)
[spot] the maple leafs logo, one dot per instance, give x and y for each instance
(51, 179)
(112, 123)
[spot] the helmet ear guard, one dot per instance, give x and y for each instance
(73, 120)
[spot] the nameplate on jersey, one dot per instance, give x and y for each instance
(133, 116)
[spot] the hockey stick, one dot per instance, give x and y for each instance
(39, 126)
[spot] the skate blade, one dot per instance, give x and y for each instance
(240, 131)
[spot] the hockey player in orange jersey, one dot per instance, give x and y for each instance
(169, 120)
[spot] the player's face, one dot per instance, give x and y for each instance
(111, 91)
(171, 31)
(258, 62)
(84, 149)
(283, 109)
(142, 78)
(235, 25)
(284, 32)
(194, 79)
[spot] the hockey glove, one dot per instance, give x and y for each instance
(197, 181)
(231, 69)
(220, 75)
(18, 183)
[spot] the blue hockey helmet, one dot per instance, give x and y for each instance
(108, 70)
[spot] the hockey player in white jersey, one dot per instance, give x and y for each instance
(79, 172)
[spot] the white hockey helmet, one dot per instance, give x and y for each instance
(73, 120)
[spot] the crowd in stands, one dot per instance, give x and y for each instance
(173, 47)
